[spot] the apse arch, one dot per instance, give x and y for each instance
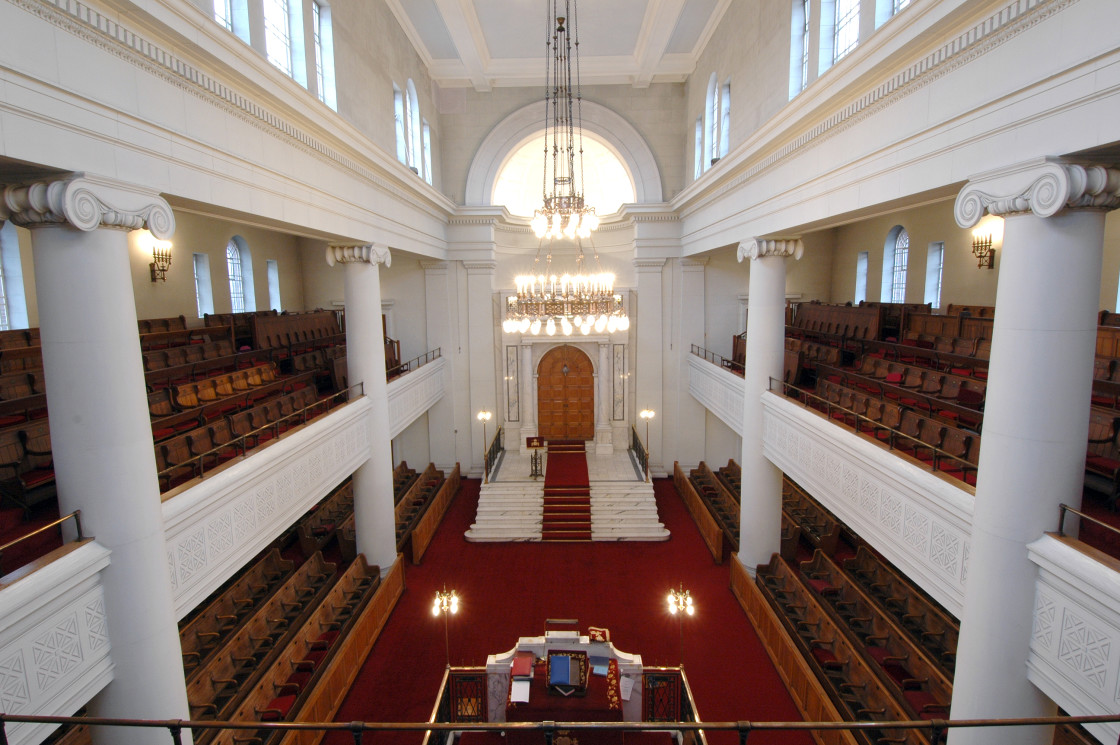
(513, 131)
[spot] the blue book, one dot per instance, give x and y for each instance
(559, 670)
(599, 665)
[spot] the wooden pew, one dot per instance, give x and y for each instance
(155, 325)
(425, 527)
(818, 527)
(719, 501)
(710, 530)
(317, 529)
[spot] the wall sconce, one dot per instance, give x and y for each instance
(161, 260)
(983, 251)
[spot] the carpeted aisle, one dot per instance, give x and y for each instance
(507, 590)
(567, 493)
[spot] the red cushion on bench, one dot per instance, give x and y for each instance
(38, 477)
(278, 708)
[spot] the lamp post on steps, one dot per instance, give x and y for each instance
(484, 417)
(647, 414)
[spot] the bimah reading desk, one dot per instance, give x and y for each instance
(587, 699)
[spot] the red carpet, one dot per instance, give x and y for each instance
(567, 493)
(507, 590)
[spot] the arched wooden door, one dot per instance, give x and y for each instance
(566, 395)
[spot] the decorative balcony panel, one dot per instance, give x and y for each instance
(1075, 640)
(414, 393)
(214, 528)
(54, 646)
(920, 521)
(719, 390)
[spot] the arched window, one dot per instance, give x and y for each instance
(699, 147)
(798, 47)
(724, 119)
(413, 147)
(398, 114)
(711, 123)
(607, 183)
(861, 278)
(239, 262)
(896, 255)
(427, 152)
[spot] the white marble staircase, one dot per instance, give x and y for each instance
(620, 511)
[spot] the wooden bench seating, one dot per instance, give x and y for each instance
(26, 464)
(1102, 458)
(919, 682)
(306, 680)
(849, 322)
(292, 333)
(412, 505)
(731, 476)
(980, 311)
(155, 325)
(710, 529)
(16, 359)
(930, 626)
(14, 338)
(317, 529)
(211, 626)
(719, 501)
(854, 685)
(819, 528)
(183, 337)
(423, 529)
(217, 688)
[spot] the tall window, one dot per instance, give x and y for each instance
(898, 271)
(699, 147)
(861, 277)
(886, 9)
(398, 114)
(13, 300)
(278, 34)
(223, 13)
(322, 35)
(847, 28)
(711, 122)
(427, 134)
(233, 15)
(799, 47)
(236, 279)
(412, 136)
(935, 262)
(5, 321)
(203, 291)
(273, 270)
(724, 119)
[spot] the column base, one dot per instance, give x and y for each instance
(604, 440)
(527, 430)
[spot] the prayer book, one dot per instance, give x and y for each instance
(519, 692)
(523, 665)
(560, 670)
(599, 665)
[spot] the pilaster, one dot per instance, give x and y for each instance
(439, 311)
(649, 335)
(483, 350)
(686, 438)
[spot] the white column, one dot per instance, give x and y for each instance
(438, 300)
(374, 521)
(483, 348)
(760, 512)
(527, 377)
(648, 372)
(101, 432)
(603, 443)
(1035, 421)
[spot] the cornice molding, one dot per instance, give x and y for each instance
(1044, 187)
(434, 267)
(85, 22)
(368, 253)
(758, 248)
(87, 202)
(480, 267)
(1005, 24)
(648, 264)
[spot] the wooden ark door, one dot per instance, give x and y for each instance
(566, 395)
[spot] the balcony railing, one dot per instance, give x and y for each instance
(76, 516)
(639, 450)
(493, 451)
(414, 363)
(716, 359)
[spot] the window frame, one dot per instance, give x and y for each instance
(935, 270)
(862, 261)
(235, 270)
(278, 35)
(900, 266)
(846, 29)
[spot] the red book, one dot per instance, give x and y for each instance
(523, 665)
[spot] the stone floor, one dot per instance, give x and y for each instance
(617, 466)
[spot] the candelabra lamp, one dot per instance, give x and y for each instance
(447, 603)
(680, 605)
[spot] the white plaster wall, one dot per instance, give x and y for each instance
(468, 116)
(412, 444)
(402, 284)
(725, 280)
(720, 443)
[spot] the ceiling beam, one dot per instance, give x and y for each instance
(653, 39)
(466, 34)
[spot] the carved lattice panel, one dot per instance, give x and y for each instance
(468, 697)
(661, 697)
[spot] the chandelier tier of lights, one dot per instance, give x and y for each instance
(569, 302)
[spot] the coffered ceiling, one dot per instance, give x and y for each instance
(488, 43)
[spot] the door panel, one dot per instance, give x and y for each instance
(566, 395)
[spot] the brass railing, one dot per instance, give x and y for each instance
(861, 424)
(77, 517)
(414, 363)
(493, 451)
(715, 359)
(1062, 510)
(639, 451)
(241, 442)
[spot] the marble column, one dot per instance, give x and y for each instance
(101, 432)
(438, 305)
(760, 512)
(603, 443)
(648, 372)
(483, 348)
(526, 374)
(1036, 420)
(374, 521)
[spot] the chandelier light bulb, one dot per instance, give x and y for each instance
(550, 327)
(535, 326)
(624, 323)
(577, 321)
(600, 324)
(585, 328)
(612, 325)
(435, 607)
(523, 326)
(566, 326)
(539, 224)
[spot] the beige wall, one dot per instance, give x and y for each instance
(467, 117)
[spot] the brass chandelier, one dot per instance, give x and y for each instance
(568, 302)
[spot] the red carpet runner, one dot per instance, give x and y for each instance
(567, 493)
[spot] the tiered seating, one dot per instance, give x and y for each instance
(317, 529)
(980, 311)
(920, 682)
(816, 524)
(325, 650)
(951, 397)
(731, 476)
(154, 340)
(292, 333)
(893, 317)
(26, 464)
(846, 321)
(932, 628)
(210, 627)
(157, 325)
(849, 677)
(1103, 457)
(215, 689)
(710, 528)
(720, 501)
(239, 322)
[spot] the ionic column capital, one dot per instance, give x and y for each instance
(760, 247)
(1043, 187)
(367, 253)
(87, 202)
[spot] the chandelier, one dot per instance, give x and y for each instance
(564, 212)
(544, 301)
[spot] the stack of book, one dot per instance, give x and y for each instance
(563, 674)
(521, 673)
